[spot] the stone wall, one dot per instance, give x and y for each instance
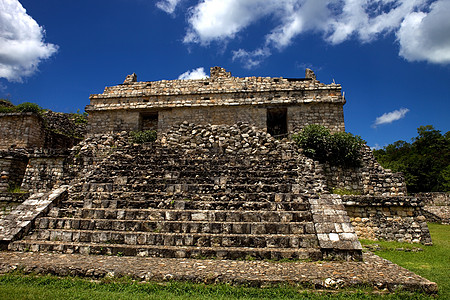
(65, 123)
(326, 114)
(12, 169)
(100, 122)
(434, 199)
(329, 115)
(45, 169)
(220, 99)
(391, 218)
(213, 115)
(21, 130)
(368, 179)
(9, 201)
(31, 131)
(436, 206)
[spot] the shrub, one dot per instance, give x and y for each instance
(339, 149)
(140, 137)
(28, 107)
(345, 149)
(314, 141)
(79, 118)
(7, 107)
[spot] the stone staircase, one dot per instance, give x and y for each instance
(156, 200)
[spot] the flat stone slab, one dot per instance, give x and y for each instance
(373, 271)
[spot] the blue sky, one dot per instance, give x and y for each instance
(392, 57)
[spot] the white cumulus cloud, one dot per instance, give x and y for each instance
(212, 20)
(168, 6)
(198, 73)
(426, 36)
(390, 117)
(22, 45)
(421, 26)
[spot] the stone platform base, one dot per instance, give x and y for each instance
(374, 271)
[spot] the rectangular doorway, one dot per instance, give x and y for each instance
(149, 121)
(277, 122)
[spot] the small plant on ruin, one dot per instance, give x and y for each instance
(29, 107)
(7, 107)
(339, 149)
(79, 118)
(345, 191)
(140, 137)
(13, 188)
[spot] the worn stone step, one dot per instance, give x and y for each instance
(142, 169)
(199, 179)
(190, 197)
(189, 188)
(168, 251)
(178, 239)
(176, 226)
(227, 172)
(171, 203)
(196, 215)
(196, 188)
(144, 157)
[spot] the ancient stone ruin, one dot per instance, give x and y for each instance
(222, 180)
(279, 105)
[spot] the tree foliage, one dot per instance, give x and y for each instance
(425, 162)
(341, 148)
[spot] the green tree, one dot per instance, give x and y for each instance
(424, 162)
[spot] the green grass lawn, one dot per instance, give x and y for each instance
(19, 286)
(431, 263)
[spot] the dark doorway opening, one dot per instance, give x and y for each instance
(149, 121)
(277, 122)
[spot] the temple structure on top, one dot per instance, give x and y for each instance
(279, 105)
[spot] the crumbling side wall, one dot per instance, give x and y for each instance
(391, 218)
(9, 201)
(12, 169)
(369, 179)
(23, 130)
(436, 206)
(30, 131)
(45, 169)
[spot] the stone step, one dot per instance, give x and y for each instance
(178, 239)
(199, 179)
(168, 251)
(229, 172)
(195, 188)
(129, 168)
(171, 203)
(144, 157)
(190, 197)
(176, 226)
(195, 215)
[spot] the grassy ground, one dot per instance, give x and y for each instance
(18, 286)
(431, 263)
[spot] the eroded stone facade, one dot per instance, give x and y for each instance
(21, 130)
(280, 105)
